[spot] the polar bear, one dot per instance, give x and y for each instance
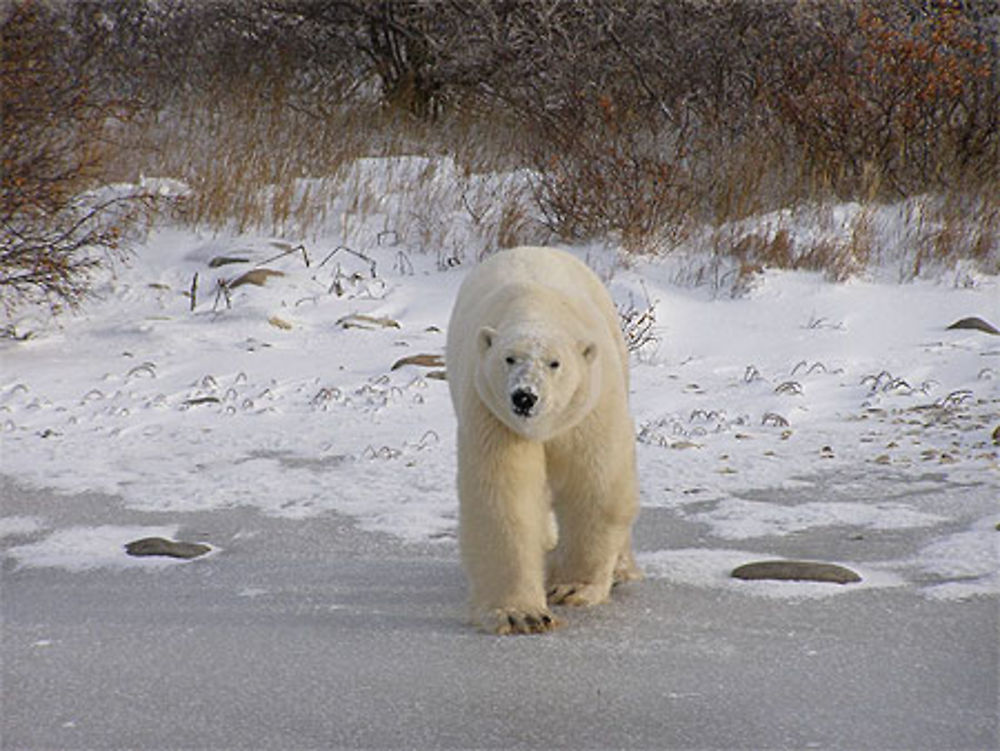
(538, 373)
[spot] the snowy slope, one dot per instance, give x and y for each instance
(801, 405)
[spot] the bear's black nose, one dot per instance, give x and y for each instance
(523, 401)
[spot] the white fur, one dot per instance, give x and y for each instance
(538, 321)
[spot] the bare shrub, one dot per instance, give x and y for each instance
(893, 97)
(637, 120)
(54, 235)
(599, 173)
(638, 323)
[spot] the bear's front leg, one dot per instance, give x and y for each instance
(503, 530)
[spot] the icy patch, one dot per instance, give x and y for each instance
(12, 526)
(699, 567)
(736, 519)
(252, 592)
(84, 548)
(962, 565)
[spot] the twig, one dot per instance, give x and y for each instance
(354, 253)
(297, 249)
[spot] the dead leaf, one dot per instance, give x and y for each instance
(225, 260)
(423, 361)
(257, 277)
(361, 321)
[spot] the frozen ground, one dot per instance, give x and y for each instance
(312, 633)
(837, 422)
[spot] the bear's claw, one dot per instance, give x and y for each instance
(578, 594)
(504, 621)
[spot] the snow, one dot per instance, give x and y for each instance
(962, 564)
(710, 568)
(17, 526)
(736, 519)
(801, 405)
(84, 548)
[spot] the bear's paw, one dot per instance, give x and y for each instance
(625, 570)
(505, 621)
(579, 594)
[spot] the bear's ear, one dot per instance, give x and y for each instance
(590, 351)
(485, 338)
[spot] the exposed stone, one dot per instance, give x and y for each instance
(796, 571)
(975, 323)
(149, 546)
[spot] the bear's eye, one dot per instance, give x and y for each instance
(509, 360)
(554, 364)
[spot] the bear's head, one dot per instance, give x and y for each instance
(537, 382)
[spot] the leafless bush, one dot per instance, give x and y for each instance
(637, 118)
(54, 235)
(638, 323)
(893, 97)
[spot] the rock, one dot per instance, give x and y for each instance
(796, 571)
(423, 361)
(976, 324)
(148, 546)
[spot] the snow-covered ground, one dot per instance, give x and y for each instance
(800, 405)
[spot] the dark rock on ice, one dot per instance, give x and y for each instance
(169, 548)
(796, 571)
(976, 324)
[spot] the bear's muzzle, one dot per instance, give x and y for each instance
(523, 401)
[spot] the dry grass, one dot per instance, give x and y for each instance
(254, 163)
(762, 110)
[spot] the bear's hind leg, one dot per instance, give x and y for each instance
(595, 545)
(583, 580)
(626, 569)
